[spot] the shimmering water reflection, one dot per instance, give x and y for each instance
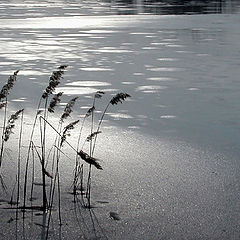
(180, 70)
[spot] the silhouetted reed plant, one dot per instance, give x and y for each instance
(3, 104)
(55, 149)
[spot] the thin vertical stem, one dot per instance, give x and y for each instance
(88, 192)
(28, 156)
(99, 125)
(43, 141)
(3, 130)
(33, 173)
(19, 158)
(76, 164)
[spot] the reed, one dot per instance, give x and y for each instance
(11, 124)
(62, 136)
(56, 99)
(3, 104)
(68, 109)
(118, 98)
(63, 133)
(54, 80)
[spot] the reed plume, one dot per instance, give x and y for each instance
(54, 102)
(89, 159)
(90, 111)
(120, 97)
(54, 81)
(66, 132)
(92, 135)
(11, 124)
(8, 86)
(99, 94)
(68, 109)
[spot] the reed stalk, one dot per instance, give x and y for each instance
(19, 158)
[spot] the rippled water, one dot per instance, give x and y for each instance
(182, 71)
(170, 153)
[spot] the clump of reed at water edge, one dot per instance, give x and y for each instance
(45, 110)
(6, 130)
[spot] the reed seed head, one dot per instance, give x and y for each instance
(54, 101)
(89, 159)
(8, 86)
(90, 111)
(66, 131)
(54, 81)
(11, 124)
(120, 97)
(99, 94)
(92, 135)
(68, 109)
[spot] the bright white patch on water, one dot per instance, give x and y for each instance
(96, 37)
(138, 33)
(25, 73)
(161, 79)
(133, 127)
(88, 83)
(101, 31)
(85, 107)
(76, 90)
(168, 116)
(119, 115)
(150, 87)
(193, 89)
(167, 59)
(159, 43)
(6, 63)
(19, 100)
(108, 50)
(165, 69)
(21, 57)
(95, 69)
(149, 48)
(128, 83)
(110, 90)
(202, 54)
(174, 45)
(138, 74)
(76, 35)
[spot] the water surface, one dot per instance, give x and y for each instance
(175, 144)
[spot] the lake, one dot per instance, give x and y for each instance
(181, 70)
(180, 64)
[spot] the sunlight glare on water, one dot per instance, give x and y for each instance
(175, 61)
